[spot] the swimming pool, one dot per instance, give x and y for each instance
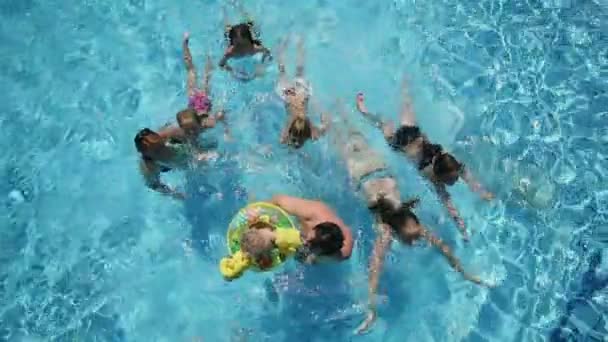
(519, 91)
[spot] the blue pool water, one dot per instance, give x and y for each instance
(517, 89)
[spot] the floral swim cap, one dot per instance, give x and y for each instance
(200, 102)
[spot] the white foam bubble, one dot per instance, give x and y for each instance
(16, 196)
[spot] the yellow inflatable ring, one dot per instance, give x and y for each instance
(252, 213)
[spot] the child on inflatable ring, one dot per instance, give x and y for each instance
(258, 243)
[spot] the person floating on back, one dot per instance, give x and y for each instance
(242, 42)
(440, 167)
(296, 94)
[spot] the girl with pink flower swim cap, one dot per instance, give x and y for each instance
(198, 97)
(197, 117)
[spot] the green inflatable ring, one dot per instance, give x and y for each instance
(255, 212)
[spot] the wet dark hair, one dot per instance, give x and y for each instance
(242, 32)
(297, 137)
(328, 239)
(404, 136)
(429, 151)
(141, 136)
(395, 218)
(446, 164)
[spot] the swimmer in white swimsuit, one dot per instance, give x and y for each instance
(296, 94)
(395, 219)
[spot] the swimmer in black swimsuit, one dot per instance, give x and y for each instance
(394, 218)
(157, 156)
(164, 151)
(242, 42)
(440, 167)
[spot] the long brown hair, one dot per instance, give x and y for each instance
(395, 217)
(299, 131)
(142, 135)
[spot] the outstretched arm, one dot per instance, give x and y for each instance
(281, 55)
(220, 116)
(172, 131)
(224, 61)
(266, 54)
(325, 122)
(301, 208)
(238, 74)
(307, 210)
(320, 131)
(475, 186)
(285, 132)
(383, 242)
(452, 260)
(190, 69)
(447, 202)
(207, 75)
(388, 129)
(300, 57)
(151, 175)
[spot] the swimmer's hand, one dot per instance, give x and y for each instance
(478, 281)
(220, 116)
(187, 55)
(463, 229)
(360, 102)
(367, 323)
(266, 54)
(284, 136)
(167, 190)
(325, 119)
(454, 213)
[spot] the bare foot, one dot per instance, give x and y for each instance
(361, 103)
